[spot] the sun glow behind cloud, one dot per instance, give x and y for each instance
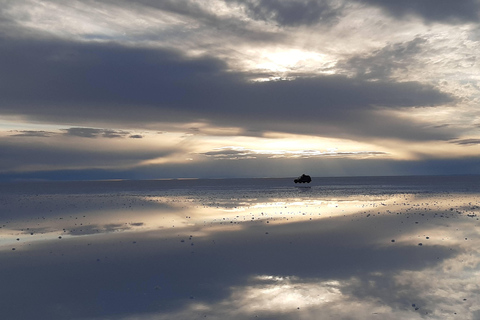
(290, 61)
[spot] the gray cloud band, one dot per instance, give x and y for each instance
(61, 81)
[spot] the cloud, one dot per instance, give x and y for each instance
(380, 64)
(460, 11)
(231, 154)
(172, 65)
(239, 153)
(8, 25)
(94, 133)
(466, 142)
(77, 132)
(32, 133)
(182, 24)
(62, 81)
(292, 13)
(61, 153)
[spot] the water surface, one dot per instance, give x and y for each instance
(338, 248)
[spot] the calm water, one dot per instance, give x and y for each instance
(338, 248)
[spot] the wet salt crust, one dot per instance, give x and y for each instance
(340, 248)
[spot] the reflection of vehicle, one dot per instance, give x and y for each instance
(303, 178)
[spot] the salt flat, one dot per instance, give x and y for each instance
(338, 248)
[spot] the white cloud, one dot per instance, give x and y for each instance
(237, 153)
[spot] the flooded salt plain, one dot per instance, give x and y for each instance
(339, 248)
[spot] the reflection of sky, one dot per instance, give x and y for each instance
(239, 251)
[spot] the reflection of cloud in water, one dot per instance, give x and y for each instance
(241, 253)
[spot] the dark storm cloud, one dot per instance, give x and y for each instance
(81, 83)
(291, 12)
(50, 78)
(449, 11)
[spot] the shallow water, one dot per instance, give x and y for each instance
(338, 248)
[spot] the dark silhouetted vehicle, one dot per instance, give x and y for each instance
(303, 178)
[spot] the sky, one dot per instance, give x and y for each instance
(238, 88)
